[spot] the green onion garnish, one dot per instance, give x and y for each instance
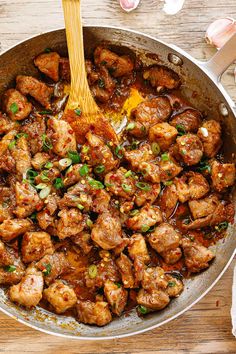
(171, 284)
(128, 174)
(168, 183)
(96, 184)
(101, 83)
(145, 228)
(84, 170)
(92, 271)
(58, 183)
(47, 111)
(134, 212)
(11, 144)
(47, 268)
(44, 193)
(10, 268)
(130, 126)
(44, 176)
(144, 186)
(47, 145)
(165, 157)
(181, 129)
(74, 156)
(119, 152)
(142, 309)
(19, 135)
(99, 169)
(14, 108)
(222, 226)
(48, 165)
(155, 149)
(78, 112)
(80, 206)
(126, 187)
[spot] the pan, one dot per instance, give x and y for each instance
(202, 87)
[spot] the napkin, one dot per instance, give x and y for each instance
(233, 309)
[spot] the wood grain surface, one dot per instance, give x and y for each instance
(206, 328)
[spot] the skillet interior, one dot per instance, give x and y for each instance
(204, 95)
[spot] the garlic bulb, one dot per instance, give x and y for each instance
(171, 7)
(129, 5)
(219, 31)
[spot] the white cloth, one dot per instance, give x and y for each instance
(233, 309)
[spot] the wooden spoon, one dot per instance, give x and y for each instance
(89, 116)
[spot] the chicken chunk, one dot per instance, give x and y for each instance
(191, 185)
(72, 175)
(119, 185)
(22, 156)
(7, 202)
(197, 257)
(210, 135)
(62, 297)
(117, 65)
(190, 148)
(116, 296)
(39, 160)
(172, 256)
(138, 248)
(45, 220)
(83, 239)
(188, 121)
(169, 168)
(27, 200)
(8, 276)
(76, 196)
(29, 291)
(203, 207)
(101, 200)
(52, 266)
(148, 216)
(71, 222)
(107, 231)
(222, 175)
(16, 105)
(62, 137)
(164, 134)
(154, 279)
(6, 256)
(64, 69)
(35, 130)
(6, 124)
(175, 286)
(48, 64)
(169, 200)
(126, 270)
(35, 245)
(94, 313)
(29, 85)
(161, 77)
(142, 196)
(11, 229)
(153, 300)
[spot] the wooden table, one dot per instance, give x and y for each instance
(206, 328)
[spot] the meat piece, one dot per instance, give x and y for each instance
(12, 277)
(7, 162)
(188, 121)
(222, 175)
(27, 200)
(101, 83)
(6, 255)
(52, 203)
(138, 248)
(39, 160)
(76, 196)
(142, 197)
(73, 175)
(125, 267)
(52, 266)
(107, 231)
(64, 69)
(6, 124)
(35, 245)
(116, 296)
(101, 200)
(62, 137)
(169, 168)
(94, 313)
(154, 279)
(172, 256)
(7, 201)
(61, 296)
(16, 105)
(182, 189)
(71, 222)
(150, 172)
(29, 291)
(29, 85)
(22, 156)
(203, 207)
(197, 257)
(117, 65)
(98, 153)
(210, 135)
(190, 148)
(119, 185)
(148, 216)
(161, 77)
(45, 220)
(175, 286)
(48, 64)
(153, 300)
(11, 229)
(164, 134)
(191, 185)
(35, 130)
(120, 248)
(83, 239)
(169, 200)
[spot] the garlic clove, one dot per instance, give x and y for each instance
(219, 31)
(129, 5)
(171, 7)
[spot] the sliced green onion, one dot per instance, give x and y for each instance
(19, 135)
(171, 284)
(47, 145)
(222, 226)
(99, 169)
(92, 271)
(41, 186)
(47, 50)
(108, 184)
(14, 108)
(47, 268)
(101, 83)
(128, 174)
(145, 228)
(11, 144)
(96, 184)
(10, 268)
(181, 129)
(135, 144)
(130, 126)
(183, 152)
(84, 170)
(33, 217)
(119, 152)
(165, 157)
(44, 176)
(204, 165)
(44, 193)
(78, 112)
(134, 212)
(74, 156)
(48, 165)
(142, 309)
(85, 149)
(168, 183)
(118, 285)
(30, 175)
(155, 149)
(80, 206)
(64, 163)
(143, 129)
(58, 183)
(126, 187)
(47, 111)
(144, 186)
(89, 223)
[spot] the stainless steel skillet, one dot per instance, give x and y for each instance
(201, 84)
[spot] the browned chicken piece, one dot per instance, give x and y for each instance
(71, 222)
(147, 216)
(6, 124)
(101, 200)
(119, 185)
(164, 239)
(29, 291)
(188, 121)
(191, 185)
(190, 148)
(45, 220)
(197, 257)
(12, 273)
(64, 69)
(153, 299)
(210, 135)
(97, 313)
(154, 279)
(35, 130)
(7, 162)
(182, 189)
(11, 229)
(61, 296)
(77, 196)
(126, 270)
(6, 255)
(73, 175)
(150, 171)
(98, 153)
(169, 168)
(117, 65)
(222, 175)
(169, 200)
(116, 296)
(48, 64)
(120, 248)
(83, 239)
(47, 175)
(29, 85)
(175, 286)
(107, 232)
(164, 134)
(16, 105)
(138, 248)
(36, 245)
(62, 137)
(172, 256)
(52, 266)
(203, 207)
(6, 203)
(27, 200)
(52, 203)
(39, 160)
(22, 156)
(161, 77)
(142, 197)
